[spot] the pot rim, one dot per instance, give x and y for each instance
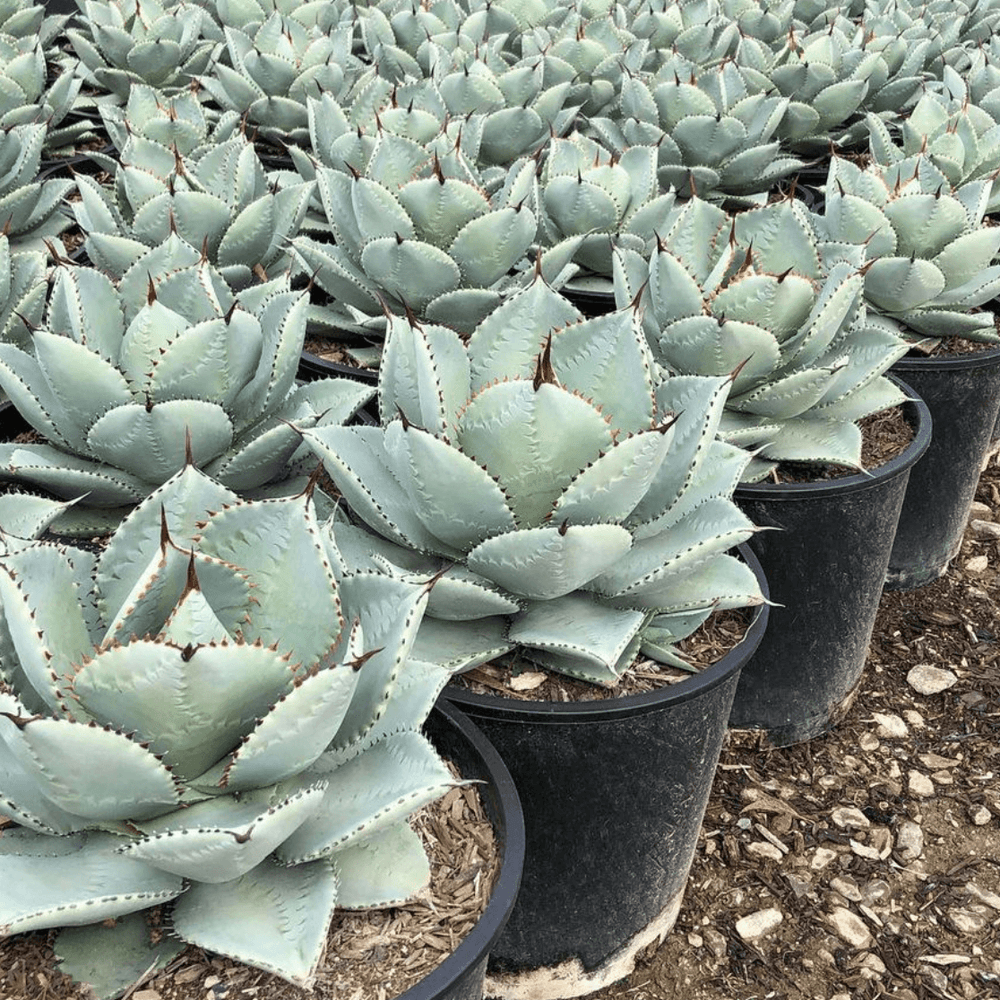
(608, 710)
(914, 409)
(509, 825)
(967, 361)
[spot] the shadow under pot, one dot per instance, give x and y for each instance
(962, 392)
(825, 566)
(614, 792)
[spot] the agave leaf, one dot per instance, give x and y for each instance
(150, 443)
(509, 340)
(896, 284)
(286, 557)
(816, 440)
(544, 563)
(293, 734)
(384, 870)
(356, 460)
(107, 958)
(47, 632)
(457, 500)
(100, 324)
(371, 791)
(294, 905)
(444, 648)
(486, 248)
(70, 762)
(25, 516)
(578, 635)
(412, 271)
(389, 612)
(216, 841)
(85, 885)
(924, 223)
(788, 396)
(559, 430)
(190, 707)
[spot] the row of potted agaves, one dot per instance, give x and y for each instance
(580, 500)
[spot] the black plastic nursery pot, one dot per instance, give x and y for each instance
(590, 301)
(963, 394)
(825, 567)
(614, 792)
(312, 366)
(460, 975)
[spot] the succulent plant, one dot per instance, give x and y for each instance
(218, 198)
(543, 458)
(216, 712)
(601, 197)
(960, 139)
(931, 258)
(275, 67)
(27, 97)
(702, 31)
(417, 230)
(121, 42)
(750, 293)
(119, 373)
(174, 121)
(715, 129)
(29, 209)
(23, 20)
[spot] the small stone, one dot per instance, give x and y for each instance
(937, 979)
(764, 850)
(744, 822)
(841, 996)
(873, 962)
(966, 922)
(946, 959)
(925, 679)
(984, 529)
(822, 856)
(876, 891)
(936, 762)
(864, 851)
(980, 815)
(756, 925)
(716, 942)
(983, 895)
(850, 927)
(942, 778)
(847, 887)
(890, 726)
(914, 718)
(977, 593)
(977, 564)
(909, 840)
(919, 784)
(799, 886)
(695, 940)
(850, 818)
(980, 510)
(869, 742)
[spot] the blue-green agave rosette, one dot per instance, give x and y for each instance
(570, 487)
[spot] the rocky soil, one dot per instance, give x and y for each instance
(866, 863)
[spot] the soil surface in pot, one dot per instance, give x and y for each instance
(865, 863)
(370, 955)
(518, 678)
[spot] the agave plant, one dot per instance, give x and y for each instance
(217, 712)
(119, 373)
(715, 129)
(960, 139)
(543, 458)
(275, 66)
(30, 210)
(121, 42)
(601, 197)
(931, 258)
(704, 32)
(219, 198)
(751, 293)
(27, 97)
(417, 230)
